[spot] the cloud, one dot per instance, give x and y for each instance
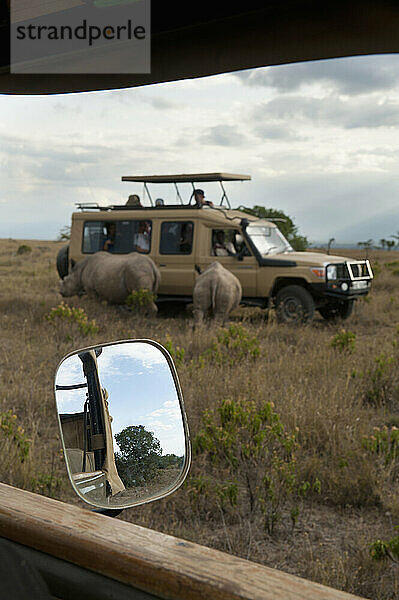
(161, 103)
(223, 135)
(276, 131)
(329, 111)
(349, 76)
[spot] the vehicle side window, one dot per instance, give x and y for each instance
(176, 237)
(228, 242)
(117, 237)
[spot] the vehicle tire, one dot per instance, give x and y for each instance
(294, 304)
(62, 261)
(338, 310)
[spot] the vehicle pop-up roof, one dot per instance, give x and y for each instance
(192, 178)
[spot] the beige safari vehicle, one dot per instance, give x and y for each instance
(187, 236)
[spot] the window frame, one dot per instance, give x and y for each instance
(176, 253)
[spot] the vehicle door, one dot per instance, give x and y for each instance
(225, 249)
(176, 257)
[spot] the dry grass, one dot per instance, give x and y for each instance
(330, 399)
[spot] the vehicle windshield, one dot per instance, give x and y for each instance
(268, 239)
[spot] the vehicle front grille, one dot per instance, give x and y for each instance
(359, 269)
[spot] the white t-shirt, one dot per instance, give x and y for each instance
(141, 240)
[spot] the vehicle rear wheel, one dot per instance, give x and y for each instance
(337, 310)
(294, 304)
(62, 261)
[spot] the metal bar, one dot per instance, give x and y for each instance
(224, 195)
(148, 193)
(178, 193)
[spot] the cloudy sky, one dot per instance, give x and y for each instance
(320, 140)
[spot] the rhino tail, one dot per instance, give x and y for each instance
(157, 278)
(214, 289)
(197, 268)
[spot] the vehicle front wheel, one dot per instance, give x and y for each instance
(294, 304)
(337, 310)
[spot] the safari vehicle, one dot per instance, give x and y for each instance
(186, 236)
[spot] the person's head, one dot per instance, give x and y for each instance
(159, 202)
(220, 236)
(111, 229)
(199, 197)
(142, 226)
(133, 200)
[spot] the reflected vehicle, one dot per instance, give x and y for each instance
(122, 423)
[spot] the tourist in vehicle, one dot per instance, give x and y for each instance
(186, 239)
(142, 238)
(133, 200)
(199, 197)
(159, 202)
(221, 247)
(110, 237)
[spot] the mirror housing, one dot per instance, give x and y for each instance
(122, 423)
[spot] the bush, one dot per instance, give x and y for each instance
(140, 299)
(252, 459)
(73, 315)
(176, 352)
(344, 341)
(24, 249)
(381, 380)
(231, 346)
(380, 549)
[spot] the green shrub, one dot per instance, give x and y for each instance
(73, 315)
(24, 249)
(13, 435)
(176, 352)
(252, 459)
(232, 345)
(140, 299)
(384, 442)
(381, 380)
(381, 549)
(46, 484)
(344, 341)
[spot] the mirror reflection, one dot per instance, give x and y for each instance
(122, 424)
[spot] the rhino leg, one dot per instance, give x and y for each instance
(198, 315)
(151, 309)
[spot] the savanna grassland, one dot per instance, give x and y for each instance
(295, 429)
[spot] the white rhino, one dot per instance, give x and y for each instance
(113, 277)
(217, 289)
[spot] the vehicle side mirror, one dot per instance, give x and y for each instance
(122, 422)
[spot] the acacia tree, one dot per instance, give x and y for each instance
(139, 455)
(285, 224)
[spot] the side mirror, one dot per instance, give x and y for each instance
(122, 422)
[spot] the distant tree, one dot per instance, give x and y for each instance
(139, 455)
(383, 243)
(367, 246)
(285, 224)
(390, 244)
(396, 237)
(330, 243)
(64, 234)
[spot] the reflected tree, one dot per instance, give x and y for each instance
(139, 456)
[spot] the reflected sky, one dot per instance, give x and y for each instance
(140, 387)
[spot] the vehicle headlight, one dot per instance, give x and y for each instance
(332, 272)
